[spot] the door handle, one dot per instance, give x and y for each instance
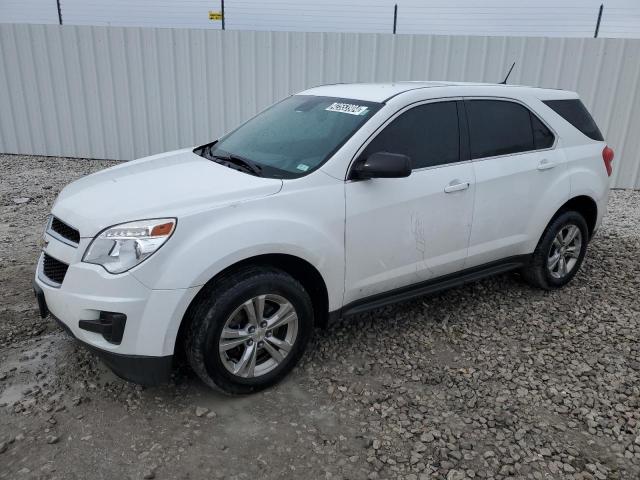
(456, 187)
(546, 164)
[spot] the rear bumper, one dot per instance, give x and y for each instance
(602, 205)
(141, 369)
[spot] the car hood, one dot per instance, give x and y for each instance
(166, 185)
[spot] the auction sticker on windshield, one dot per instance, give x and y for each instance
(349, 108)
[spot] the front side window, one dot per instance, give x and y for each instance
(428, 134)
(295, 136)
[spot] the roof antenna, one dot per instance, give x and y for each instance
(504, 82)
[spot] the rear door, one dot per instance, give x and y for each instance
(403, 231)
(518, 172)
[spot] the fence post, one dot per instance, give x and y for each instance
(395, 17)
(595, 35)
(222, 11)
(59, 12)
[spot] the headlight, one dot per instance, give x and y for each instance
(122, 247)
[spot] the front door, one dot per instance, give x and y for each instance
(403, 231)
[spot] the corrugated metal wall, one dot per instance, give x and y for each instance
(112, 92)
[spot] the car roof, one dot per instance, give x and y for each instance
(381, 92)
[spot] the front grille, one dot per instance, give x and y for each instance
(53, 269)
(64, 230)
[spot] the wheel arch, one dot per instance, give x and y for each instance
(300, 269)
(585, 206)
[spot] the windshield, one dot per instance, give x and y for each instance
(294, 136)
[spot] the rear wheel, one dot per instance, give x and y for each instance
(559, 253)
(249, 330)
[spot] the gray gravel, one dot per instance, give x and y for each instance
(491, 380)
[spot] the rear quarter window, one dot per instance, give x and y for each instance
(542, 136)
(574, 112)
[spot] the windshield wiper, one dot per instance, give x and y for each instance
(241, 162)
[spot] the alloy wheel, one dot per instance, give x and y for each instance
(565, 251)
(258, 335)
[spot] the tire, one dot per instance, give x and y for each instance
(542, 272)
(225, 305)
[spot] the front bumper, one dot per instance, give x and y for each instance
(140, 369)
(142, 353)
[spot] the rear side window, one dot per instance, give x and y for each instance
(498, 127)
(574, 112)
(428, 134)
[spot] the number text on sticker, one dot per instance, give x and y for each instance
(349, 108)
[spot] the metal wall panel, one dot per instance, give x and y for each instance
(122, 93)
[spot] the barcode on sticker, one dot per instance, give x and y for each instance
(349, 108)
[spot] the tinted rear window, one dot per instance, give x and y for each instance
(574, 112)
(498, 128)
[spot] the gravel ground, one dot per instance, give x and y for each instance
(490, 380)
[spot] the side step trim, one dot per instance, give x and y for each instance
(431, 286)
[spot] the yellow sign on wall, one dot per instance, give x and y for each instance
(215, 15)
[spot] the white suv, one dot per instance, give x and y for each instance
(337, 200)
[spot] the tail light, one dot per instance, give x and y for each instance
(607, 156)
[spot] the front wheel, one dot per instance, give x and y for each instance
(249, 329)
(559, 253)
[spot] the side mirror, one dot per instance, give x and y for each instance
(382, 165)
